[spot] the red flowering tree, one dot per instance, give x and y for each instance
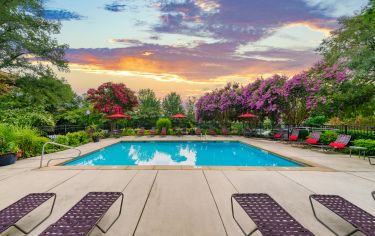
(112, 98)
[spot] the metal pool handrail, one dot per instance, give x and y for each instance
(57, 144)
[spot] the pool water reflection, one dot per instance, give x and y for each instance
(182, 153)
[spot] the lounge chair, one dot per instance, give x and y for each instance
(361, 220)
(198, 131)
(85, 215)
(163, 131)
(341, 142)
(247, 132)
(211, 132)
(18, 210)
(141, 131)
(269, 217)
(315, 137)
(294, 135)
(152, 131)
(224, 131)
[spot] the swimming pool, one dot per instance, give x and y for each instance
(194, 153)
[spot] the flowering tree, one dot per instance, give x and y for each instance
(111, 98)
(222, 105)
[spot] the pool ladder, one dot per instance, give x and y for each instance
(56, 144)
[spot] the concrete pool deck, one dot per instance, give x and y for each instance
(194, 202)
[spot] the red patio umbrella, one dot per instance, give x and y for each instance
(115, 117)
(119, 116)
(247, 115)
(179, 116)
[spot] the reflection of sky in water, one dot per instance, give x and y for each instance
(182, 153)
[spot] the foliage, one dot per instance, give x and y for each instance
(163, 122)
(237, 127)
(149, 109)
(25, 33)
(172, 104)
(328, 137)
(316, 121)
(26, 117)
(73, 139)
(367, 143)
(79, 116)
(353, 45)
(303, 133)
(223, 105)
(129, 132)
(25, 140)
(112, 98)
(190, 109)
(7, 82)
(267, 123)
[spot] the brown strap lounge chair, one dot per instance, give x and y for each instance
(269, 217)
(82, 218)
(18, 210)
(361, 220)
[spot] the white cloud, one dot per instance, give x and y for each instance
(337, 8)
(296, 37)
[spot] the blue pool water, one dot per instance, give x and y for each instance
(182, 153)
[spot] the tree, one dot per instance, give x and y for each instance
(353, 45)
(172, 104)
(190, 108)
(25, 36)
(149, 105)
(44, 93)
(111, 98)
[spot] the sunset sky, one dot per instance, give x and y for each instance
(191, 46)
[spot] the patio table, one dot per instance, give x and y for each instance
(360, 149)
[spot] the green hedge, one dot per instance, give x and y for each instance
(367, 143)
(164, 122)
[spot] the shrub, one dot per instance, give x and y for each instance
(77, 138)
(303, 133)
(26, 140)
(62, 139)
(316, 121)
(163, 122)
(236, 127)
(367, 143)
(267, 123)
(328, 137)
(128, 132)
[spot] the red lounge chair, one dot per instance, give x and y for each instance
(211, 132)
(141, 131)
(18, 210)
(315, 137)
(152, 131)
(341, 141)
(278, 135)
(225, 132)
(294, 135)
(163, 131)
(198, 131)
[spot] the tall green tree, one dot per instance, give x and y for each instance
(45, 93)
(190, 108)
(26, 36)
(172, 104)
(149, 105)
(353, 44)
